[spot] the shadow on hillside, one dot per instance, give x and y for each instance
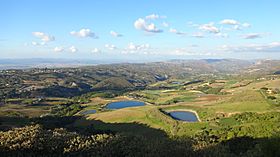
(136, 139)
(81, 125)
(9, 122)
(245, 147)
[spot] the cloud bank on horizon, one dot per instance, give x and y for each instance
(161, 33)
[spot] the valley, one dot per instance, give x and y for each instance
(229, 105)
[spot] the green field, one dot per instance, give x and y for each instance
(215, 111)
(236, 110)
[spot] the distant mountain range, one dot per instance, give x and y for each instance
(188, 66)
(82, 77)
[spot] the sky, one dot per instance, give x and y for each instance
(140, 30)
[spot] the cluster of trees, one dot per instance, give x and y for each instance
(68, 109)
(35, 140)
(245, 135)
(210, 90)
(272, 95)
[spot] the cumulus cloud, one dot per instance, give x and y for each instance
(115, 34)
(43, 36)
(241, 26)
(237, 27)
(209, 28)
(110, 46)
(96, 50)
(73, 49)
(268, 47)
(246, 25)
(229, 22)
(58, 49)
(236, 24)
(252, 36)
(141, 24)
(134, 48)
(172, 30)
(155, 16)
(84, 33)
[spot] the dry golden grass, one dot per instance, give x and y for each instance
(132, 114)
(24, 110)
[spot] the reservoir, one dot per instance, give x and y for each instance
(124, 104)
(183, 116)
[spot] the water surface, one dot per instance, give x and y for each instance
(124, 104)
(183, 116)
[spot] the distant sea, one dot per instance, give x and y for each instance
(50, 63)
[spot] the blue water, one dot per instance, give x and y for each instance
(88, 112)
(124, 104)
(183, 116)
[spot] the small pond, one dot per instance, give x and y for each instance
(183, 116)
(88, 112)
(124, 104)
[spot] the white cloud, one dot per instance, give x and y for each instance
(165, 24)
(73, 49)
(172, 30)
(152, 16)
(186, 52)
(110, 46)
(180, 52)
(141, 24)
(209, 28)
(155, 16)
(222, 35)
(229, 22)
(191, 24)
(43, 36)
(96, 50)
(198, 35)
(134, 48)
(34, 43)
(236, 25)
(58, 49)
(37, 43)
(252, 36)
(83, 33)
(115, 34)
(246, 25)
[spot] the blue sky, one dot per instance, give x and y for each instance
(140, 30)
